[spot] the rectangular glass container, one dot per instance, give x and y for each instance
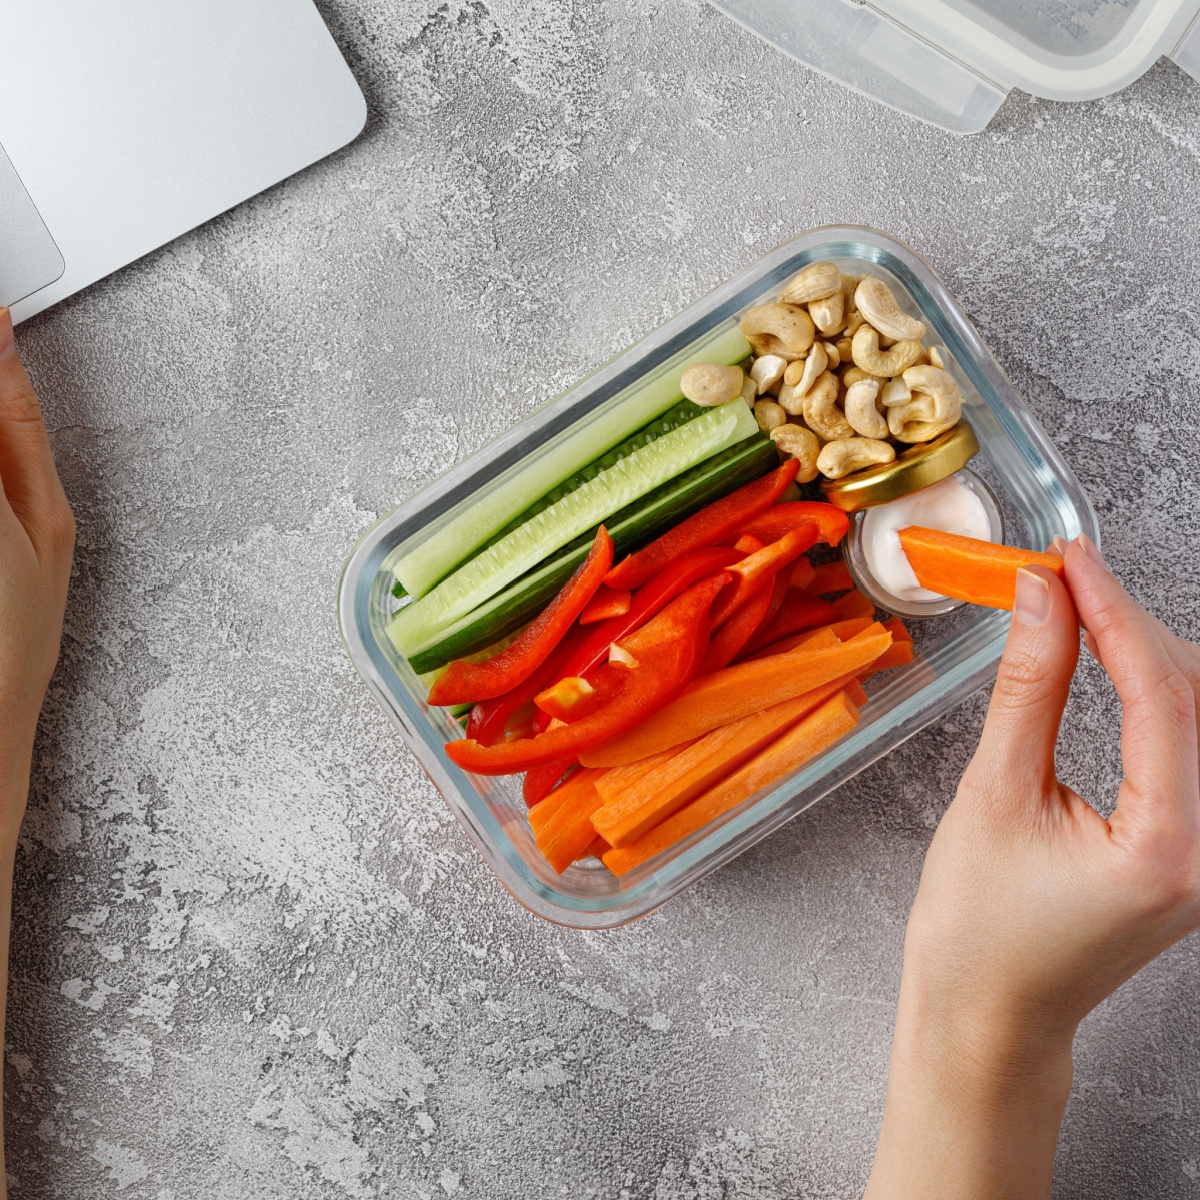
(958, 654)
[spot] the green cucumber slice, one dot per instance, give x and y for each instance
(634, 526)
(438, 555)
(422, 622)
(671, 420)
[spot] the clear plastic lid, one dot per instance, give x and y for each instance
(952, 62)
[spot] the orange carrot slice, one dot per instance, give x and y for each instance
(898, 654)
(842, 630)
(569, 832)
(682, 777)
(808, 738)
(968, 569)
(737, 691)
(615, 780)
(855, 692)
(854, 604)
(597, 848)
(829, 578)
(544, 809)
(897, 629)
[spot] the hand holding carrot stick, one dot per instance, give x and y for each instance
(1032, 907)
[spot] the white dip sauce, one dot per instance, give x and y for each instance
(950, 506)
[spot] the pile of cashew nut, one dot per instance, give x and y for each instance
(838, 376)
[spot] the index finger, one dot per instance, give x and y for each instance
(27, 471)
(1159, 747)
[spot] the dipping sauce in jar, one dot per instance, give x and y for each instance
(951, 505)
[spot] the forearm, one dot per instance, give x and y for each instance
(968, 1115)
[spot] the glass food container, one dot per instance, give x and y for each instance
(952, 62)
(956, 654)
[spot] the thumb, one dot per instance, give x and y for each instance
(1032, 684)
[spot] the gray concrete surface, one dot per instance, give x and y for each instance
(253, 956)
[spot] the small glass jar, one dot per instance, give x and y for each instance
(856, 559)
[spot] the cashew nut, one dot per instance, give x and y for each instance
(769, 415)
(831, 353)
(778, 329)
(933, 381)
(816, 282)
(861, 412)
(797, 442)
(821, 413)
(866, 354)
(828, 312)
(710, 384)
(768, 370)
(917, 421)
(894, 392)
(853, 375)
(852, 454)
(873, 298)
(797, 383)
(936, 358)
(843, 348)
(854, 322)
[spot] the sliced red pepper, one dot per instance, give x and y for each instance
(465, 682)
(764, 563)
(739, 629)
(668, 650)
(539, 782)
(707, 527)
(832, 524)
(803, 574)
(799, 611)
(748, 543)
(489, 718)
(607, 602)
(573, 698)
(647, 601)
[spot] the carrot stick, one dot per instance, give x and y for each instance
(898, 654)
(544, 809)
(615, 780)
(568, 832)
(855, 604)
(856, 693)
(897, 629)
(684, 776)
(815, 733)
(842, 630)
(969, 569)
(723, 696)
(597, 848)
(829, 578)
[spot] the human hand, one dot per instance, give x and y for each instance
(1032, 907)
(37, 539)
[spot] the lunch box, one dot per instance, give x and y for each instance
(952, 62)
(956, 654)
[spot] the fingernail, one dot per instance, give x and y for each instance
(1091, 550)
(1059, 544)
(8, 345)
(1031, 605)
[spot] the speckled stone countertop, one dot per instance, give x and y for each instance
(253, 955)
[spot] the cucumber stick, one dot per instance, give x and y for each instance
(439, 554)
(631, 528)
(422, 622)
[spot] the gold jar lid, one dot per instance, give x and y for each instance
(909, 472)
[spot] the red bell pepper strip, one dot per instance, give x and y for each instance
(832, 524)
(762, 564)
(647, 601)
(710, 525)
(489, 718)
(739, 629)
(607, 602)
(668, 649)
(799, 610)
(465, 682)
(572, 698)
(748, 543)
(539, 782)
